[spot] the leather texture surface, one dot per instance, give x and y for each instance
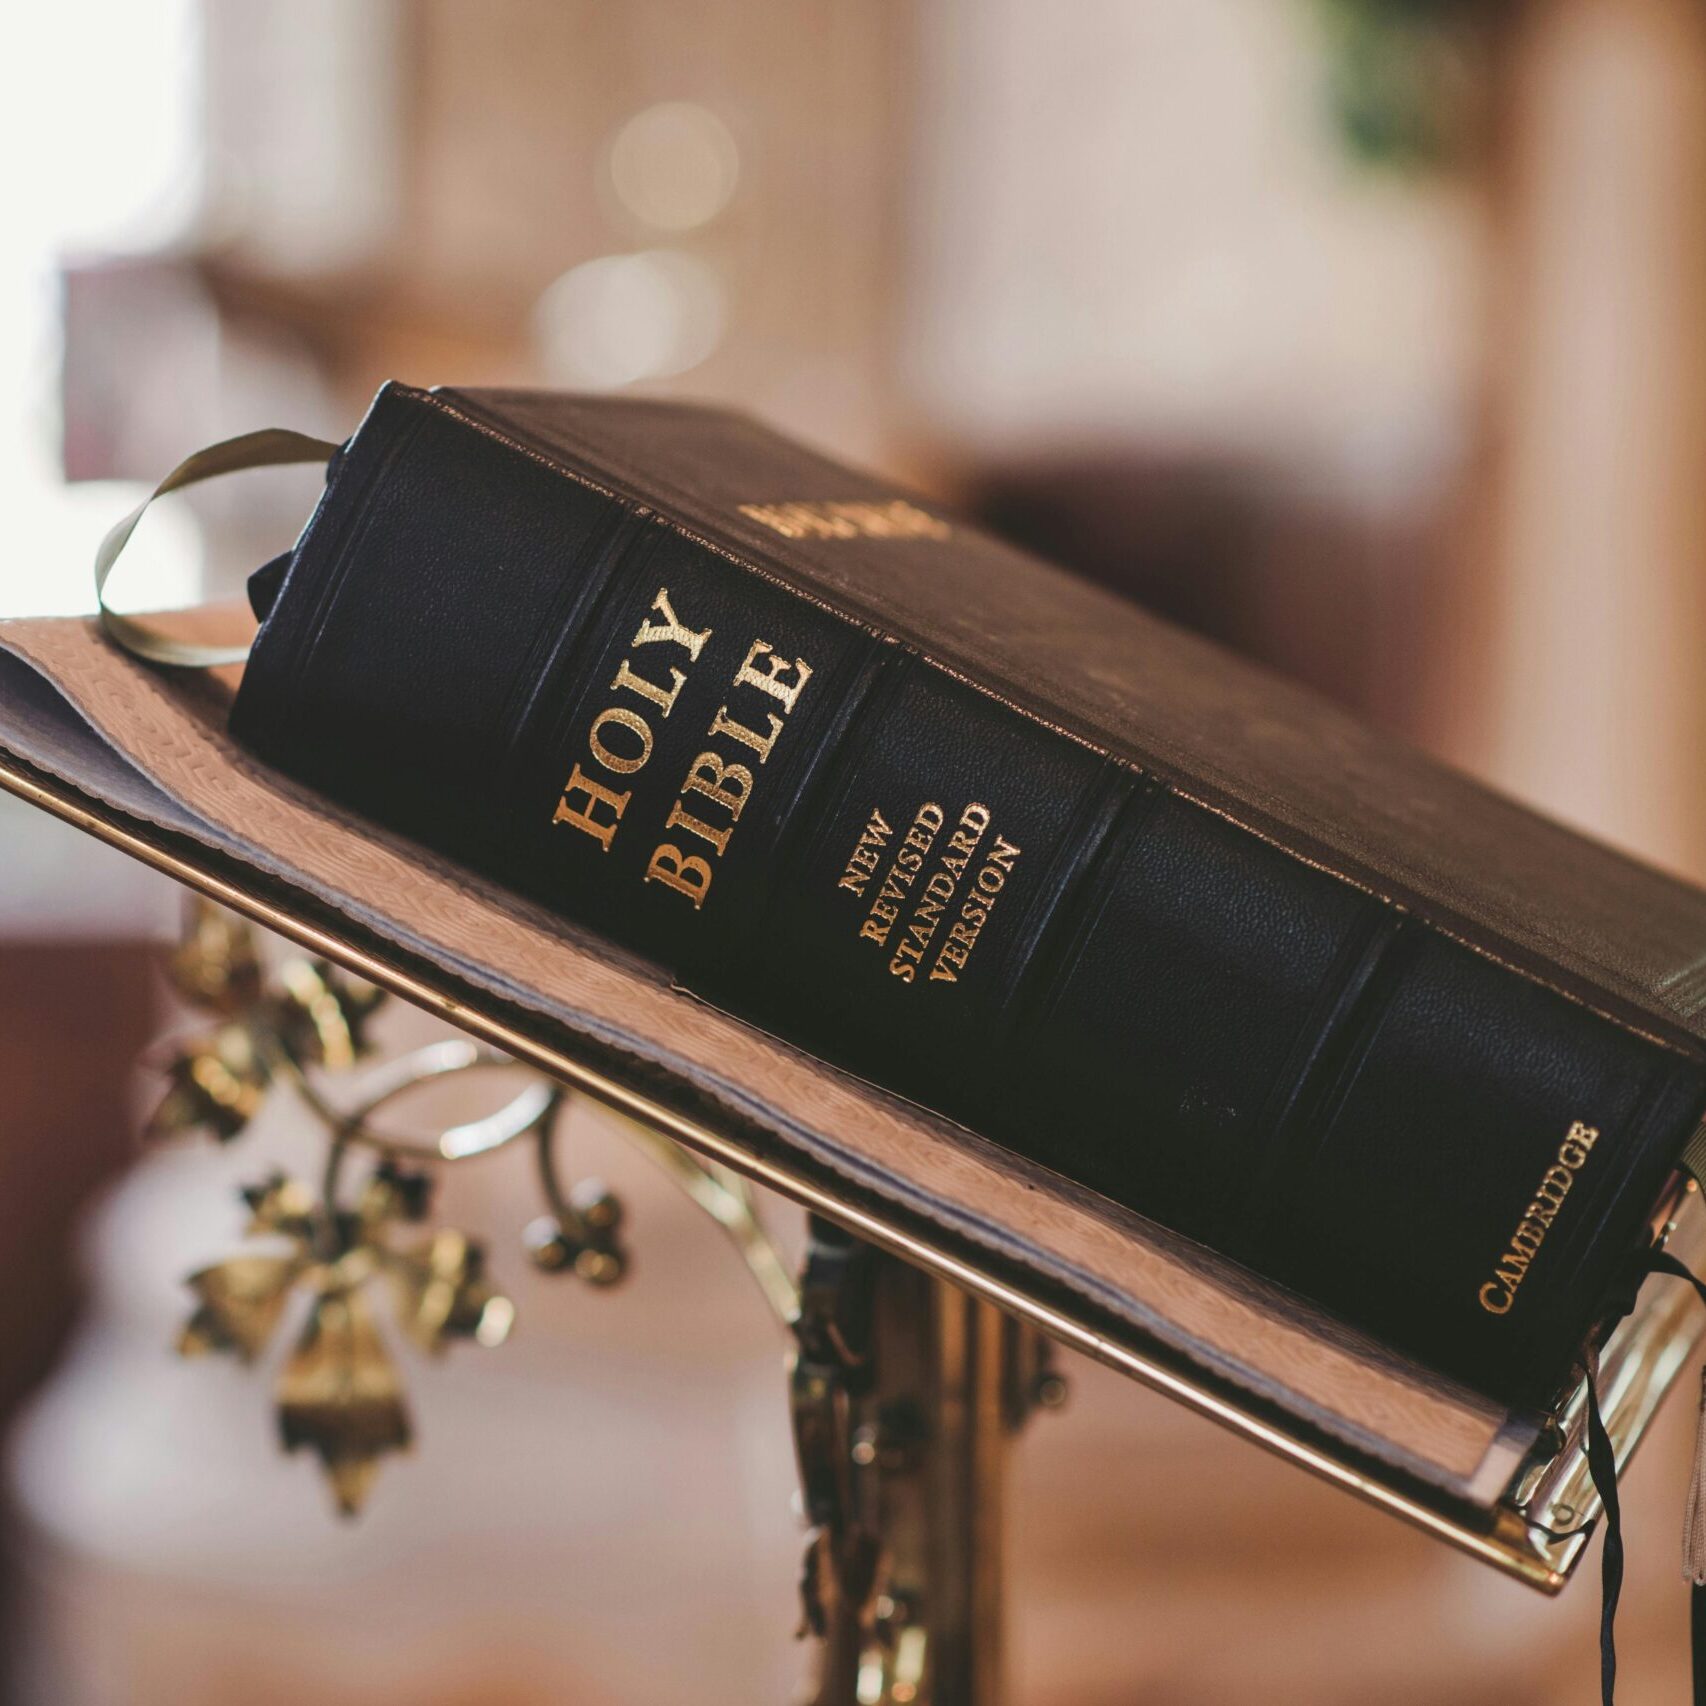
(1269, 754)
(1064, 941)
(154, 746)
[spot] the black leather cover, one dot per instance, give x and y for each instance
(876, 782)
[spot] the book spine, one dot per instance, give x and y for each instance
(817, 828)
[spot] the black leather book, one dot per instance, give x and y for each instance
(1004, 845)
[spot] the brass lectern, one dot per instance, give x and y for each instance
(938, 1264)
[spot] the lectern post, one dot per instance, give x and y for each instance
(906, 1392)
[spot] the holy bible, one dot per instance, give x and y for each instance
(1007, 846)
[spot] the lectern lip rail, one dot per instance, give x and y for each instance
(1536, 1531)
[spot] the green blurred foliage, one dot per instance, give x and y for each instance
(1407, 79)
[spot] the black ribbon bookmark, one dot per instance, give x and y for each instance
(1665, 1263)
(1602, 1466)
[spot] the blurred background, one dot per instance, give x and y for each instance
(1368, 336)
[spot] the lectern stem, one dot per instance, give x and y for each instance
(906, 1392)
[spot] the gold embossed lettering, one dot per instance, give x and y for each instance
(722, 781)
(723, 724)
(902, 873)
(892, 518)
(876, 927)
(671, 628)
(729, 785)
(773, 517)
(1499, 1293)
(987, 885)
(662, 698)
(1527, 1236)
(679, 819)
(687, 874)
(622, 718)
(1577, 1145)
(620, 739)
(862, 861)
(768, 678)
(585, 817)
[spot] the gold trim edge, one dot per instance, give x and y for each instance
(1536, 1555)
